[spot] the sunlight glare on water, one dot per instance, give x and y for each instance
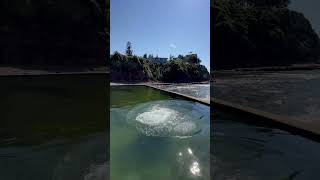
(189, 161)
(194, 169)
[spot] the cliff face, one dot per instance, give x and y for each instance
(53, 32)
(252, 36)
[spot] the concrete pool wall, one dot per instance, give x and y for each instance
(280, 121)
(205, 102)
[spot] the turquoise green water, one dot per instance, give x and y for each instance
(54, 127)
(156, 136)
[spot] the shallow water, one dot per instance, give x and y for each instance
(53, 127)
(244, 149)
(155, 136)
(201, 91)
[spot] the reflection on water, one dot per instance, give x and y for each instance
(53, 127)
(135, 153)
(58, 161)
(189, 161)
(244, 149)
(125, 96)
(195, 170)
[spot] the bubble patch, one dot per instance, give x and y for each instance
(170, 118)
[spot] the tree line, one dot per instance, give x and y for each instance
(264, 3)
(133, 68)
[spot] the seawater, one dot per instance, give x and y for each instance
(54, 127)
(157, 136)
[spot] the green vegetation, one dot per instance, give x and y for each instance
(251, 33)
(59, 32)
(135, 69)
(264, 3)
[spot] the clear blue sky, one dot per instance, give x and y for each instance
(161, 27)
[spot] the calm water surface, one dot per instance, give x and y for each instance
(53, 127)
(155, 136)
(244, 149)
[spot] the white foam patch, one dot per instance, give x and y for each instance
(171, 118)
(185, 127)
(157, 115)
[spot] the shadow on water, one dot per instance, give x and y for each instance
(248, 148)
(53, 127)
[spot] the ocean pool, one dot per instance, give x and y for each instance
(155, 135)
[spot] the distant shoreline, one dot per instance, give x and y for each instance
(52, 70)
(271, 68)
